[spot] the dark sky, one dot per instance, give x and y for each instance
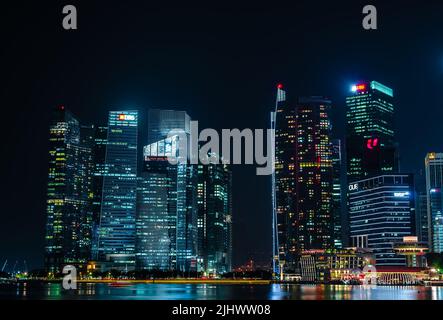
(221, 65)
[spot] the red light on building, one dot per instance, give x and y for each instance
(279, 86)
(62, 107)
(372, 143)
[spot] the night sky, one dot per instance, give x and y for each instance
(221, 65)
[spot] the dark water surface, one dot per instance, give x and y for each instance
(142, 291)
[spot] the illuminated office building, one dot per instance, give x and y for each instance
(283, 121)
(314, 174)
(382, 212)
(68, 228)
(336, 194)
(167, 236)
(96, 137)
(434, 195)
(370, 144)
(422, 217)
(214, 218)
(303, 179)
(161, 122)
(116, 233)
(156, 212)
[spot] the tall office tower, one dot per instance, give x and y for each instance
(161, 122)
(421, 207)
(434, 184)
(214, 218)
(382, 211)
(156, 213)
(314, 175)
(422, 217)
(336, 194)
(167, 211)
(96, 137)
(68, 234)
(370, 144)
(284, 238)
(302, 183)
(116, 236)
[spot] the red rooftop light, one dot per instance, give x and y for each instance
(279, 86)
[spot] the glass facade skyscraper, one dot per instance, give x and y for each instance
(96, 137)
(283, 121)
(337, 194)
(156, 215)
(116, 234)
(68, 228)
(161, 122)
(434, 195)
(214, 218)
(175, 208)
(314, 174)
(370, 144)
(303, 179)
(382, 211)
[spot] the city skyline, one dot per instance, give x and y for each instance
(236, 100)
(315, 145)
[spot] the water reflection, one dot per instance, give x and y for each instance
(151, 291)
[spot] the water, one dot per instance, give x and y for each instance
(141, 291)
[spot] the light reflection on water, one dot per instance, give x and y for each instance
(150, 291)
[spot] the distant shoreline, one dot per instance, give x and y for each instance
(159, 281)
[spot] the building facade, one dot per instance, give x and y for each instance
(434, 199)
(283, 121)
(303, 179)
(161, 122)
(370, 144)
(314, 174)
(338, 237)
(382, 212)
(116, 231)
(167, 210)
(214, 198)
(68, 209)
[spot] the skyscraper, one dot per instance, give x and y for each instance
(370, 144)
(116, 236)
(214, 218)
(302, 183)
(336, 194)
(167, 211)
(68, 228)
(161, 122)
(314, 174)
(157, 211)
(96, 137)
(283, 121)
(422, 217)
(382, 211)
(175, 208)
(434, 184)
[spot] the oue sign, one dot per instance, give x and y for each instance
(353, 187)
